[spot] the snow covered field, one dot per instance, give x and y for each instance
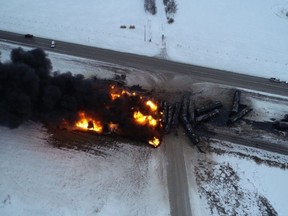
(230, 182)
(242, 36)
(38, 179)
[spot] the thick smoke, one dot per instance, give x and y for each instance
(19, 86)
(30, 90)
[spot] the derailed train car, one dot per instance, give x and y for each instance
(236, 102)
(191, 111)
(170, 111)
(239, 115)
(238, 110)
(176, 113)
(188, 115)
(207, 116)
(189, 130)
(204, 109)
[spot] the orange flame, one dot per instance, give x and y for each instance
(113, 127)
(155, 142)
(152, 105)
(115, 96)
(143, 119)
(116, 93)
(151, 118)
(87, 123)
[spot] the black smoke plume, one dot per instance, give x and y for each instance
(30, 90)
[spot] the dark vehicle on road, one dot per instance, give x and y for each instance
(28, 36)
(273, 79)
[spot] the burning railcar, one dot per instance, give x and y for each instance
(127, 114)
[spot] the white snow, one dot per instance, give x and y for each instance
(265, 110)
(254, 180)
(268, 181)
(38, 179)
(242, 36)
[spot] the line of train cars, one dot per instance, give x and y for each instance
(186, 113)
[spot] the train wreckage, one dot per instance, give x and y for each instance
(190, 116)
(186, 113)
(238, 110)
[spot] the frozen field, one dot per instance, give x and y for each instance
(38, 179)
(242, 36)
(237, 180)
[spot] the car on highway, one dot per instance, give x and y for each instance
(273, 79)
(53, 44)
(28, 36)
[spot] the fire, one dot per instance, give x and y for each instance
(115, 96)
(87, 123)
(152, 105)
(143, 119)
(145, 114)
(117, 93)
(113, 127)
(155, 142)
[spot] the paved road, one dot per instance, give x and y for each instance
(176, 170)
(177, 177)
(151, 64)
